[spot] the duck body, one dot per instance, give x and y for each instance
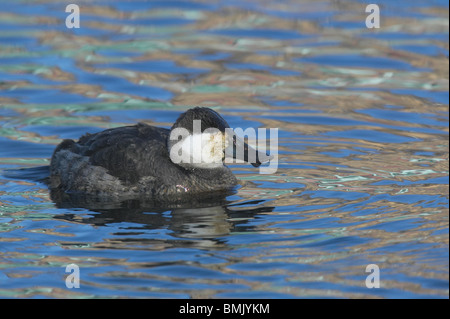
(127, 161)
(135, 160)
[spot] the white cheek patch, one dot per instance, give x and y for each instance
(205, 150)
(212, 151)
(191, 149)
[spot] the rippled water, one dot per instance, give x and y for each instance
(363, 147)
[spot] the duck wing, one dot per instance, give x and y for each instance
(128, 153)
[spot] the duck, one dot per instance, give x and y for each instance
(159, 163)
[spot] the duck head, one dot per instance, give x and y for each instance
(201, 138)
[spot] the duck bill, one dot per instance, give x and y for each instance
(238, 149)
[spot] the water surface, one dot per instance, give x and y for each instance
(363, 148)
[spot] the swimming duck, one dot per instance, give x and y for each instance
(152, 161)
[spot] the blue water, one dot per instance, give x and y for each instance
(362, 175)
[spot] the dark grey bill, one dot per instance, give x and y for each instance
(238, 149)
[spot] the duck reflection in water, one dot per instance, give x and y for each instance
(199, 225)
